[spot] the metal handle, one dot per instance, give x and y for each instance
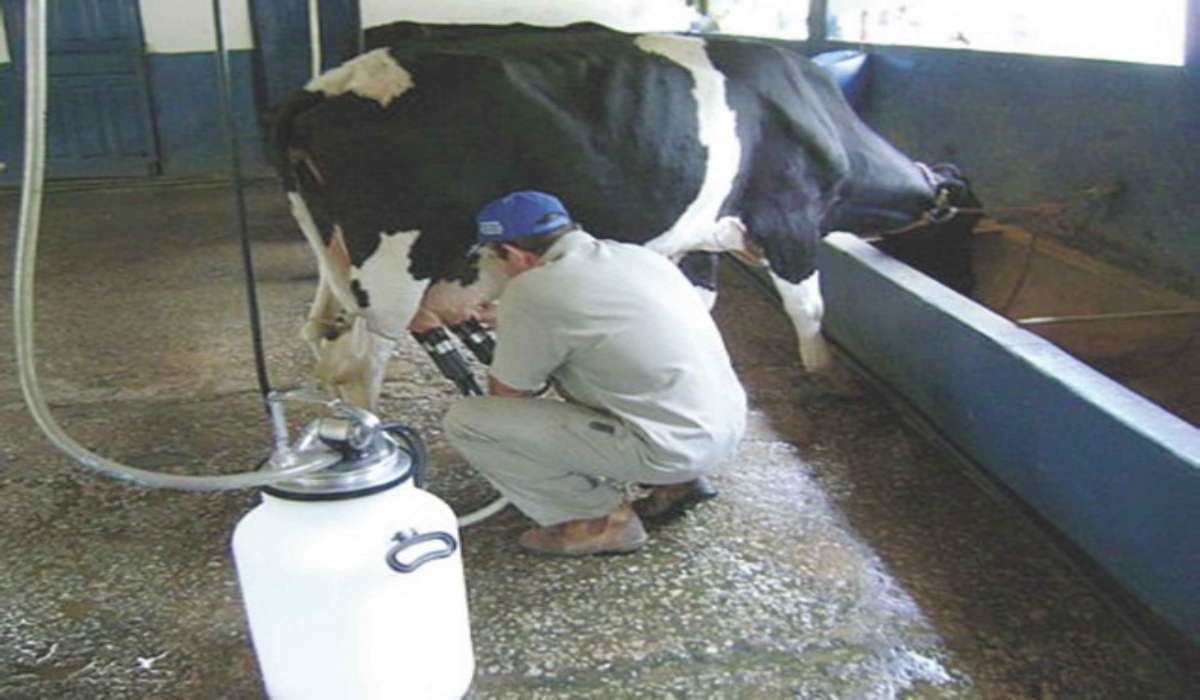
(405, 540)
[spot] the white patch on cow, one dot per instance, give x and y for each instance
(352, 345)
(699, 228)
(355, 362)
(374, 75)
(805, 307)
(392, 294)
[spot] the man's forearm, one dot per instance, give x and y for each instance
(499, 388)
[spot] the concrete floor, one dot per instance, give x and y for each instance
(846, 558)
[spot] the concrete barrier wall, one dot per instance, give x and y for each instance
(1114, 473)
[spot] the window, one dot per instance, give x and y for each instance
(777, 19)
(1148, 32)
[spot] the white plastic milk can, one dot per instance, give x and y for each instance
(352, 581)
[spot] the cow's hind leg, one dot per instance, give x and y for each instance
(351, 359)
(355, 362)
(323, 318)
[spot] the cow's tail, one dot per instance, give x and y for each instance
(285, 141)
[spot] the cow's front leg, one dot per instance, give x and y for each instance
(694, 249)
(804, 306)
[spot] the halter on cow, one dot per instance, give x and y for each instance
(680, 143)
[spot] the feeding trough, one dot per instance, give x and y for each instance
(1143, 336)
(1113, 472)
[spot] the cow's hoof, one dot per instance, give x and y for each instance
(835, 379)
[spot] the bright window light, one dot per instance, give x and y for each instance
(778, 19)
(1148, 32)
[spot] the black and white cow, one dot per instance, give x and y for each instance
(681, 143)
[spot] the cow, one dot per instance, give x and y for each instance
(690, 145)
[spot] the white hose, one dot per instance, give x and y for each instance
(33, 181)
(25, 265)
(481, 514)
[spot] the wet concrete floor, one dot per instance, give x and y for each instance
(847, 557)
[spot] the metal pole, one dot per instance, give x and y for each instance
(1116, 316)
(1191, 39)
(314, 35)
(817, 24)
(235, 164)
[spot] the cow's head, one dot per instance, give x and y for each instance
(940, 243)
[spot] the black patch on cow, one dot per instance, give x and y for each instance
(585, 114)
(701, 269)
(361, 297)
(814, 167)
(605, 126)
(943, 249)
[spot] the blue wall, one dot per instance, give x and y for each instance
(1030, 130)
(191, 128)
(182, 80)
(188, 121)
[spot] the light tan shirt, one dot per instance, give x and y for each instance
(620, 329)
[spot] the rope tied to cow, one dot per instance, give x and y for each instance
(942, 213)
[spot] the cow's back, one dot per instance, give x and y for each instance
(610, 123)
(609, 128)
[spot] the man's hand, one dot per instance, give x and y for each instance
(485, 313)
(499, 388)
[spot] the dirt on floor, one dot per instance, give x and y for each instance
(846, 557)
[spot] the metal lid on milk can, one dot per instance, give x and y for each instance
(365, 458)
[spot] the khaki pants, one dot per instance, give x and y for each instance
(550, 457)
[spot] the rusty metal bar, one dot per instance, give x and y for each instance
(1117, 316)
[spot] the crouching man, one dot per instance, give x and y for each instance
(650, 396)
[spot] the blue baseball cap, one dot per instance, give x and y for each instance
(519, 214)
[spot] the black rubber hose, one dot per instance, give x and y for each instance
(415, 449)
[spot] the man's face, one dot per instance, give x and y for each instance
(513, 260)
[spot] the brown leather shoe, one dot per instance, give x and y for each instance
(616, 533)
(668, 502)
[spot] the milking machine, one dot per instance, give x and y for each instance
(351, 575)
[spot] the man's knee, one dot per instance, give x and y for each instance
(462, 421)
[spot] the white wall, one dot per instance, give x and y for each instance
(4, 55)
(181, 26)
(630, 15)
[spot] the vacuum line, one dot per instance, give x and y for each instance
(29, 222)
(238, 185)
